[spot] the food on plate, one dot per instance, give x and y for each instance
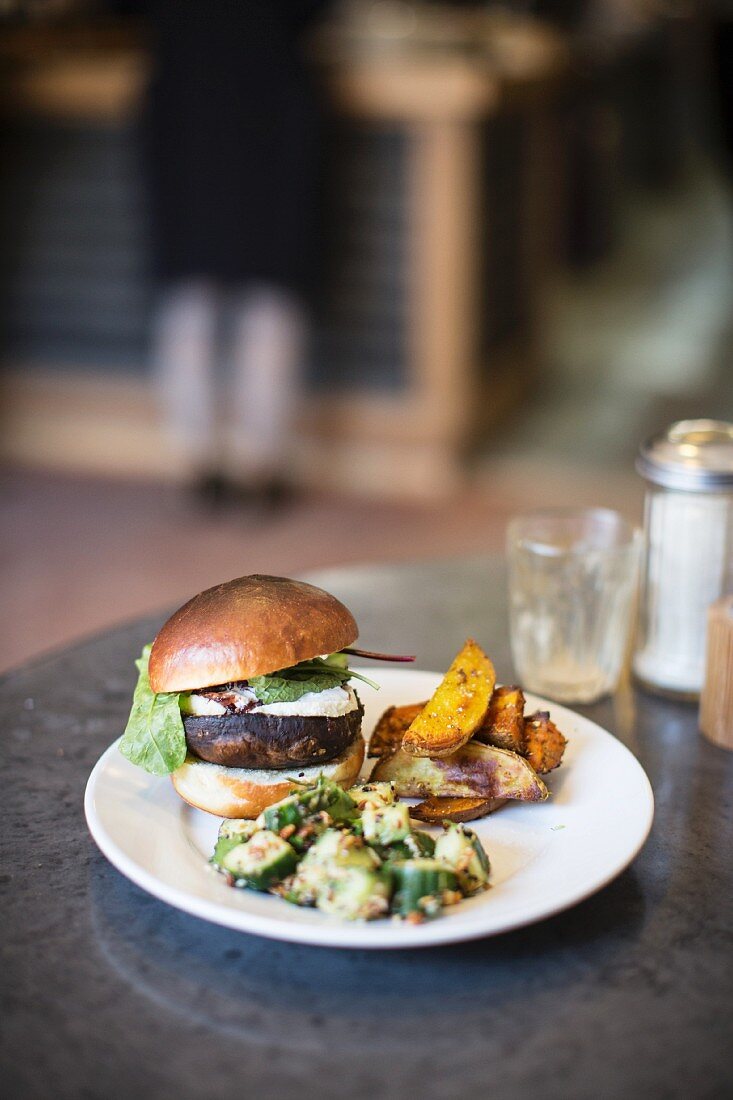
(245, 686)
(262, 861)
(533, 736)
(391, 728)
(372, 795)
(474, 771)
(351, 853)
(463, 851)
(456, 709)
(423, 886)
(245, 699)
(503, 725)
(544, 745)
(500, 761)
(436, 810)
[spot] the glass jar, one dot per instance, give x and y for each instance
(688, 550)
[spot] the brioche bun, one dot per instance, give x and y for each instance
(246, 792)
(247, 627)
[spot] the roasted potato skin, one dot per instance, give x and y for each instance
(544, 745)
(504, 722)
(391, 728)
(436, 810)
(473, 771)
(456, 709)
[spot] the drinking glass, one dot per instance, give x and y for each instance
(572, 584)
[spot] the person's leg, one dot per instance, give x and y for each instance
(185, 337)
(269, 333)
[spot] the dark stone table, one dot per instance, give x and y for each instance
(109, 993)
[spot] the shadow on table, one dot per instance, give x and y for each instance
(261, 990)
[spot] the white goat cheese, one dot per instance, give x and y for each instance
(331, 703)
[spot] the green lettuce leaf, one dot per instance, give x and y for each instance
(280, 688)
(154, 738)
(337, 664)
(318, 674)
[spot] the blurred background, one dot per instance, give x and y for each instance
(288, 285)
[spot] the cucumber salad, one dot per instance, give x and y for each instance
(351, 853)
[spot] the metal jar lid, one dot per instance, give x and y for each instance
(691, 455)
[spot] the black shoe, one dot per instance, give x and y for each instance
(270, 495)
(212, 490)
(278, 493)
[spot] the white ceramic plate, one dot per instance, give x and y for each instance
(544, 858)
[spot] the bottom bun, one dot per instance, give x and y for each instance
(246, 792)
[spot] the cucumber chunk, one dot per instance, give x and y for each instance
(232, 832)
(354, 884)
(333, 844)
(303, 887)
(289, 811)
(355, 892)
(386, 824)
(223, 847)
(260, 862)
(334, 848)
(372, 795)
(241, 827)
(424, 842)
(341, 875)
(460, 849)
(304, 805)
(422, 887)
(337, 802)
(414, 846)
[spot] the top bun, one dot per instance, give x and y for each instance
(247, 627)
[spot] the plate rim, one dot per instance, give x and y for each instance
(345, 935)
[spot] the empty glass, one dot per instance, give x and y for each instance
(572, 584)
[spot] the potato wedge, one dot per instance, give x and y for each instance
(457, 708)
(391, 728)
(437, 810)
(473, 771)
(544, 745)
(503, 725)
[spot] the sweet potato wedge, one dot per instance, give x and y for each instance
(391, 728)
(473, 771)
(437, 810)
(503, 725)
(544, 745)
(457, 708)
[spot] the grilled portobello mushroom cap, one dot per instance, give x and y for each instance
(270, 740)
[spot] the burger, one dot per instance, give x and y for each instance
(246, 688)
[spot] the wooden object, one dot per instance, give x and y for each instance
(459, 381)
(460, 372)
(716, 702)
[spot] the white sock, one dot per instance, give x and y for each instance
(184, 358)
(268, 347)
